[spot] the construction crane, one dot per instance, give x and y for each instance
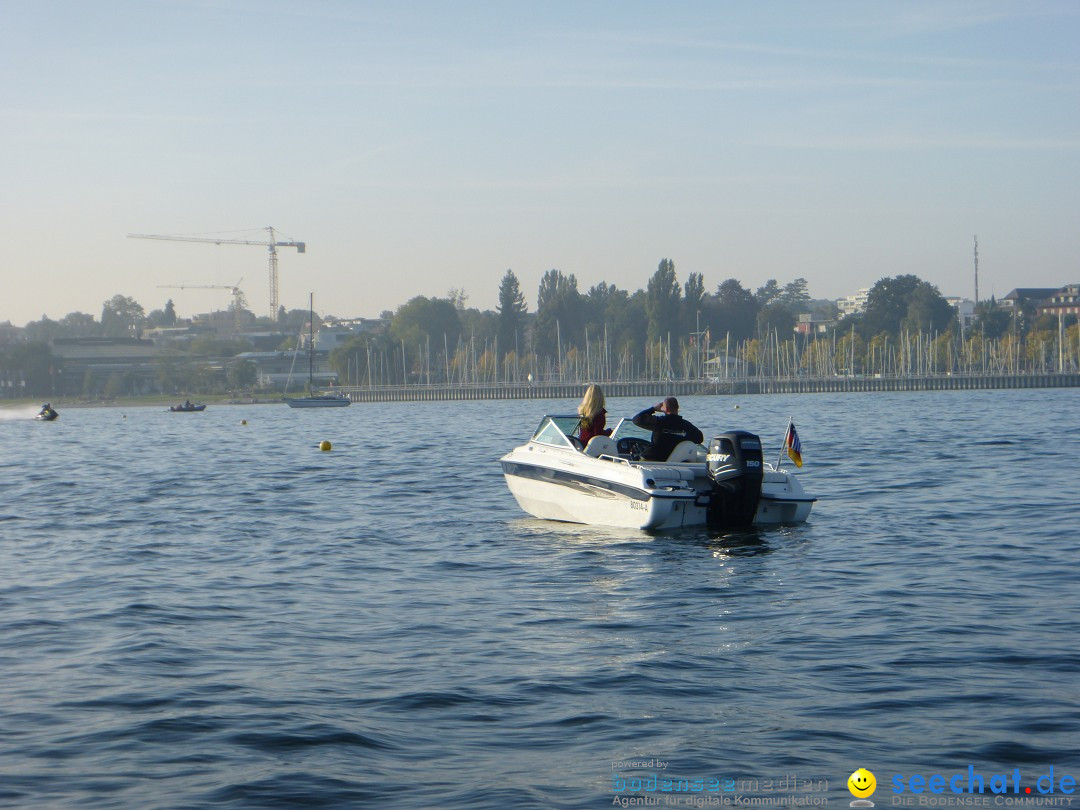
(273, 244)
(238, 297)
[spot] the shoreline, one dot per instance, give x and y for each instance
(133, 402)
(645, 388)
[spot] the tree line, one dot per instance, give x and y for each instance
(668, 330)
(682, 331)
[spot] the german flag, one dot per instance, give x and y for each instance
(793, 445)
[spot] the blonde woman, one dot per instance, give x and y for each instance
(593, 415)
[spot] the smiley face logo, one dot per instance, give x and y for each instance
(862, 783)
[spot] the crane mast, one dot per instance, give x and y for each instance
(273, 244)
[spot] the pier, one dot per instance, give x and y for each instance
(656, 389)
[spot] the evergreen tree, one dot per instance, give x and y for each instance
(662, 302)
(794, 294)
(694, 290)
(693, 303)
(512, 312)
(162, 317)
(558, 314)
(767, 292)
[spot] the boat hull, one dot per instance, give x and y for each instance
(545, 494)
(573, 488)
(318, 402)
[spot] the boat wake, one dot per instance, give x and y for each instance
(19, 413)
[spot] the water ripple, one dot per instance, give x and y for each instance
(215, 616)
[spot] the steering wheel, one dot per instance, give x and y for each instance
(632, 446)
(574, 440)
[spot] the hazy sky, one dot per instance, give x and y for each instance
(422, 146)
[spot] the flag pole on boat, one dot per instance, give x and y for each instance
(791, 444)
(783, 444)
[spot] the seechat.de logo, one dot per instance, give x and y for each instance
(975, 782)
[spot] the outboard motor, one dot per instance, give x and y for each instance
(735, 466)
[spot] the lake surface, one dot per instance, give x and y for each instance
(199, 612)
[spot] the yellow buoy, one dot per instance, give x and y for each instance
(324, 445)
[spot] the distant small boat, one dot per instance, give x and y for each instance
(314, 400)
(319, 401)
(187, 407)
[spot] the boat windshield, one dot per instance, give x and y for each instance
(554, 430)
(625, 428)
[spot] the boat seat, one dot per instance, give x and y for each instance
(685, 452)
(601, 445)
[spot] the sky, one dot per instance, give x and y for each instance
(419, 147)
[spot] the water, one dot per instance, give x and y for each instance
(195, 612)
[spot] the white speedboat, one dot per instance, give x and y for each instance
(727, 486)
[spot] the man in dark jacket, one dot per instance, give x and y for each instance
(668, 429)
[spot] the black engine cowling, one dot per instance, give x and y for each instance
(736, 468)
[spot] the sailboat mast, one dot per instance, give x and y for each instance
(311, 341)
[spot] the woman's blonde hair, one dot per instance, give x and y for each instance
(592, 403)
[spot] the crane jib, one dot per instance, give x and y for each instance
(273, 244)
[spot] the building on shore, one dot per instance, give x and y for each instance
(1065, 301)
(281, 370)
(333, 334)
(1026, 297)
(810, 325)
(854, 304)
(90, 362)
(964, 309)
